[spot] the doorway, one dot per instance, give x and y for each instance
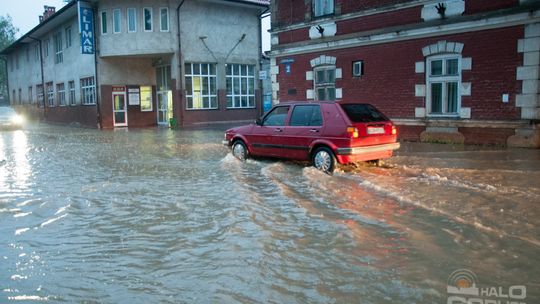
(119, 103)
(164, 95)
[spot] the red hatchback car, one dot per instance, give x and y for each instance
(321, 132)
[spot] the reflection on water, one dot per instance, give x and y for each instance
(170, 216)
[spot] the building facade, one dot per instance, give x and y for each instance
(451, 70)
(112, 63)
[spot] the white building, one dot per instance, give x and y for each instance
(141, 63)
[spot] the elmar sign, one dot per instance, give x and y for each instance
(86, 28)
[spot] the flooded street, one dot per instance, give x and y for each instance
(161, 216)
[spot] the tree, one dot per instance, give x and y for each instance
(7, 37)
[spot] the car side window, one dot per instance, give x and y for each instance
(276, 117)
(306, 115)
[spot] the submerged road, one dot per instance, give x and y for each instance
(155, 215)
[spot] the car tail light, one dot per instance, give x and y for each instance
(353, 132)
(394, 130)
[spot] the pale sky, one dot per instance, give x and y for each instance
(25, 15)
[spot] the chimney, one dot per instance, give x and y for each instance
(48, 11)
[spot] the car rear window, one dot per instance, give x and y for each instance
(363, 113)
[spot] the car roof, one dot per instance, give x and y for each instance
(317, 102)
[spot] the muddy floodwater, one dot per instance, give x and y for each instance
(162, 216)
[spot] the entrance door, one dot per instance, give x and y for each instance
(164, 95)
(119, 109)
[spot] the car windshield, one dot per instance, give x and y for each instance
(363, 113)
(6, 111)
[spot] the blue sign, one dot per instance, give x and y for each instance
(86, 27)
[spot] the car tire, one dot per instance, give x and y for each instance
(323, 159)
(239, 150)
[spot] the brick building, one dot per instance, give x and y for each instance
(447, 70)
(112, 63)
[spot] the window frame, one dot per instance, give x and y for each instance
(212, 92)
(144, 88)
(69, 33)
(49, 89)
(246, 75)
(161, 19)
(58, 47)
(39, 95)
(360, 65)
(149, 9)
(88, 91)
(323, 14)
(444, 79)
(103, 23)
(61, 94)
(117, 22)
(72, 93)
(134, 11)
(326, 85)
(310, 123)
(271, 112)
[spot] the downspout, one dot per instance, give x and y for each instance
(42, 77)
(179, 66)
(261, 93)
(7, 78)
(98, 89)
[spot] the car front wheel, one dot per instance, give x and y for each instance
(324, 160)
(239, 150)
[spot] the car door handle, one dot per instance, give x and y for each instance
(314, 131)
(278, 130)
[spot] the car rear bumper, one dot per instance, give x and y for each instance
(368, 149)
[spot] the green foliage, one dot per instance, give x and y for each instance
(7, 37)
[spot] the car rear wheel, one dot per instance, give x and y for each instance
(239, 150)
(324, 160)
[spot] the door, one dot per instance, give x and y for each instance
(263, 136)
(303, 128)
(164, 95)
(119, 109)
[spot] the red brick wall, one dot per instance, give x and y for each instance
(291, 11)
(84, 115)
(348, 6)
(136, 118)
(486, 136)
(294, 36)
(371, 22)
(222, 114)
(389, 77)
(477, 6)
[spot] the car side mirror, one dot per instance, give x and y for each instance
(258, 122)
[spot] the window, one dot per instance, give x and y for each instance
(68, 37)
(147, 12)
(358, 68)
(240, 86)
(61, 94)
(50, 94)
(30, 95)
(46, 48)
(323, 7)
(58, 55)
(132, 20)
(276, 117)
(117, 26)
(103, 23)
(164, 19)
(303, 116)
(146, 98)
(36, 51)
(20, 96)
(325, 83)
(88, 91)
(442, 81)
(39, 94)
(201, 86)
(71, 86)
